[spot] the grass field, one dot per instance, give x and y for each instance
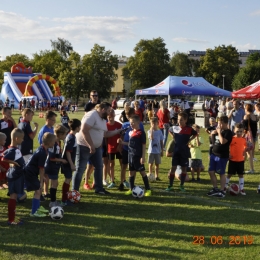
(165, 226)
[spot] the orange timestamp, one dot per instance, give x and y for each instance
(220, 240)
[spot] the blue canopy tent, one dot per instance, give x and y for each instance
(185, 86)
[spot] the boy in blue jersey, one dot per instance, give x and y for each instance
(29, 134)
(69, 154)
(125, 137)
(54, 161)
(182, 134)
(35, 167)
(15, 174)
(50, 120)
(136, 154)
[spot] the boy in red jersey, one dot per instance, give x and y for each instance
(113, 147)
(237, 150)
(3, 165)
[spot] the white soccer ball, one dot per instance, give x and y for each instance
(138, 192)
(151, 177)
(56, 213)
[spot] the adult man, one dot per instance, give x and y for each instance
(89, 139)
(236, 114)
(93, 101)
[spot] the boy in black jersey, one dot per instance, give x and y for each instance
(69, 154)
(136, 154)
(54, 161)
(15, 173)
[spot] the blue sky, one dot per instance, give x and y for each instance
(28, 26)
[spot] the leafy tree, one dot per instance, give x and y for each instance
(181, 65)
(223, 60)
(5, 65)
(247, 75)
(150, 64)
(252, 58)
(100, 65)
(63, 46)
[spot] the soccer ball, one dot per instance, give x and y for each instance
(138, 192)
(56, 213)
(151, 177)
(234, 189)
(74, 196)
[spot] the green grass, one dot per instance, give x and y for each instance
(121, 227)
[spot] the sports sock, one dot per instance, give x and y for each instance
(11, 209)
(65, 189)
(132, 182)
(35, 205)
(183, 177)
(227, 182)
(171, 179)
(53, 192)
(146, 182)
(241, 183)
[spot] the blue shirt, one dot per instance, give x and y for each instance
(52, 167)
(126, 136)
(136, 142)
(14, 154)
(155, 143)
(70, 145)
(44, 129)
(237, 117)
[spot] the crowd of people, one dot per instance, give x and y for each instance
(98, 140)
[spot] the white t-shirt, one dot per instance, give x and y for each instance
(98, 127)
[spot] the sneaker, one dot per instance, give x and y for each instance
(121, 187)
(148, 193)
(170, 188)
(105, 183)
(129, 192)
(42, 198)
(38, 214)
(93, 185)
(86, 186)
(242, 192)
(54, 204)
(198, 179)
(251, 171)
(126, 184)
(102, 192)
(47, 196)
(213, 192)
(220, 194)
(193, 180)
(15, 222)
(182, 188)
(111, 185)
(157, 179)
(43, 210)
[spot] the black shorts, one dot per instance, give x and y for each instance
(112, 156)
(124, 156)
(236, 167)
(135, 164)
(179, 159)
(32, 183)
(16, 186)
(66, 170)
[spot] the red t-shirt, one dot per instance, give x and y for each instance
(163, 117)
(112, 141)
(139, 112)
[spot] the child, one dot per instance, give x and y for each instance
(236, 163)
(136, 154)
(222, 138)
(7, 124)
(15, 174)
(50, 120)
(53, 163)
(35, 167)
(155, 149)
(113, 148)
(3, 165)
(29, 134)
(196, 156)
(69, 154)
(64, 119)
(183, 134)
(212, 127)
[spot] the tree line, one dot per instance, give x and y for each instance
(150, 64)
